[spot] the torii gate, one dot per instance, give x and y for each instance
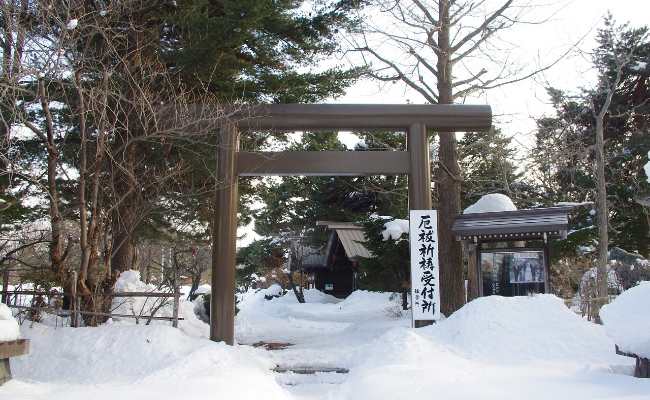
(231, 163)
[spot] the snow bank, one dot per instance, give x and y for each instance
(493, 348)
(627, 320)
(8, 325)
(144, 362)
(523, 329)
(493, 202)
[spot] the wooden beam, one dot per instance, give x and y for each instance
(14, 348)
(330, 163)
(224, 237)
(445, 117)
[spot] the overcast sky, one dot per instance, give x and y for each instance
(516, 105)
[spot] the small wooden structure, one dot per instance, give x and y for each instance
(642, 366)
(509, 250)
(333, 268)
(12, 348)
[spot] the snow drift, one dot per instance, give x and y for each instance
(493, 348)
(627, 320)
(522, 329)
(143, 362)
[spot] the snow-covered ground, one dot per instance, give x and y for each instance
(494, 348)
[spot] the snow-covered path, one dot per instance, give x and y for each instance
(324, 333)
(494, 348)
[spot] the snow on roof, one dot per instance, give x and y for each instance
(627, 320)
(493, 202)
(8, 326)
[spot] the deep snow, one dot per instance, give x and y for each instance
(627, 320)
(493, 348)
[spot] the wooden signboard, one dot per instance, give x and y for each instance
(425, 270)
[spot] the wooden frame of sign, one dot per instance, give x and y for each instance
(414, 119)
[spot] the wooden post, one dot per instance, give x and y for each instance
(419, 180)
(74, 304)
(224, 235)
(472, 271)
(547, 265)
(176, 298)
(5, 286)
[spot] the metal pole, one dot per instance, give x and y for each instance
(419, 180)
(224, 234)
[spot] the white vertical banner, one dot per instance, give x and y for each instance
(425, 287)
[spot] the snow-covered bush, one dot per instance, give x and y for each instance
(588, 290)
(627, 320)
(202, 307)
(129, 281)
(395, 309)
(8, 325)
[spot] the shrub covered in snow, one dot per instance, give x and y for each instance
(627, 320)
(129, 281)
(8, 325)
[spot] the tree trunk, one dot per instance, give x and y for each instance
(452, 291)
(125, 217)
(300, 296)
(603, 212)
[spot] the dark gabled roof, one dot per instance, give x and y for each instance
(513, 225)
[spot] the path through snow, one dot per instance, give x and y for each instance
(494, 348)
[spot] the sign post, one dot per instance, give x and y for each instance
(425, 288)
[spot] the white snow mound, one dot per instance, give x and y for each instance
(523, 329)
(627, 320)
(493, 202)
(8, 326)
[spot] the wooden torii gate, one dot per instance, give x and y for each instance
(231, 163)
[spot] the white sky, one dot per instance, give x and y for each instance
(514, 106)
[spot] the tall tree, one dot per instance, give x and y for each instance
(595, 147)
(429, 50)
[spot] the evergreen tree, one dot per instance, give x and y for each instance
(488, 164)
(563, 152)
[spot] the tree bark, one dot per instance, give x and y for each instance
(603, 212)
(452, 291)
